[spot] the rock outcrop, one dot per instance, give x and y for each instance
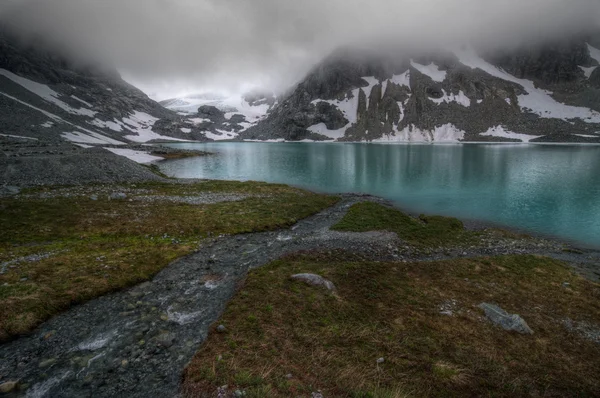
(545, 93)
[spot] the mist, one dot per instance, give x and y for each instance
(173, 47)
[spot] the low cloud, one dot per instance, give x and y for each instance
(168, 47)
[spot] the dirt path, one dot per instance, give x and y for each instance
(136, 343)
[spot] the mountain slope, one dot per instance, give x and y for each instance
(44, 97)
(221, 117)
(544, 93)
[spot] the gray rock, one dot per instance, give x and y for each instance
(221, 329)
(117, 196)
(506, 321)
(94, 197)
(315, 280)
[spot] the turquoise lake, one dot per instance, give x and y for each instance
(551, 190)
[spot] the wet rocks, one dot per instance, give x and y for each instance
(315, 280)
(510, 322)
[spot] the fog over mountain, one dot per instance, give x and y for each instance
(169, 48)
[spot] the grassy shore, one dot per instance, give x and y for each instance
(404, 329)
(62, 246)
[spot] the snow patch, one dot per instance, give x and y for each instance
(322, 129)
(198, 120)
(18, 136)
(142, 123)
(537, 100)
(499, 131)
(402, 80)
(114, 126)
(137, 156)
(459, 98)
(82, 101)
(225, 135)
(46, 93)
(47, 124)
(445, 133)
(594, 53)
(185, 130)
(89, 138)
(588, 71)
(586, 136)
(431, 70)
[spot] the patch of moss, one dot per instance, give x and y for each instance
(428, 231)
(332, 343)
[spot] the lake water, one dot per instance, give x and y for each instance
(552, 190)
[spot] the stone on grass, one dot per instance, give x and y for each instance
(7, 387)
(510, 322)
(315, 280)
(117, 196)
(221, 329)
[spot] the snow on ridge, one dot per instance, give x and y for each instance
(537, 100)
(445, 133)
(431, 70)
(586, 136)
(499, 131)
(185, 130)
(402, 80)
(137, 156)
(588, 71)
(459, 98)
(89, 138)
(46, 93)
(594, 53)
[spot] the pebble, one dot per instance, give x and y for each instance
(221, 329)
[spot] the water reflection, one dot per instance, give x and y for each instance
(549, 189)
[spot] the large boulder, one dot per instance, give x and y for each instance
(510, 322)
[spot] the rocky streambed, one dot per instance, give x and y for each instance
(136, 342)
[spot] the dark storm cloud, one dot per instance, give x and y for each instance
(167, 46)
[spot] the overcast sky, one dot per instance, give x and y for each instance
(172, 47)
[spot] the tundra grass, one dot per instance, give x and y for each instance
(384, 334)
(58, 247)
(425, 231)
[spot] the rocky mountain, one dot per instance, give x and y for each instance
(542, 93)
(223, 117)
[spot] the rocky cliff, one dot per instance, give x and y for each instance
(44, 97)
(544, 93)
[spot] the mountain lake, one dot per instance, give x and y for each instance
(551, 190)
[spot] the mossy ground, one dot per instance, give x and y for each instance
(276, 326)
(431, 231)
(98, 246)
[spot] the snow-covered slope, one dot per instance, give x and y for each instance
(223, 117)
(448, 96)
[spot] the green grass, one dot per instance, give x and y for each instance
(98, 246)
(277, 326)
(431, 231)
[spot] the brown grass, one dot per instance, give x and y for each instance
(276, 327)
